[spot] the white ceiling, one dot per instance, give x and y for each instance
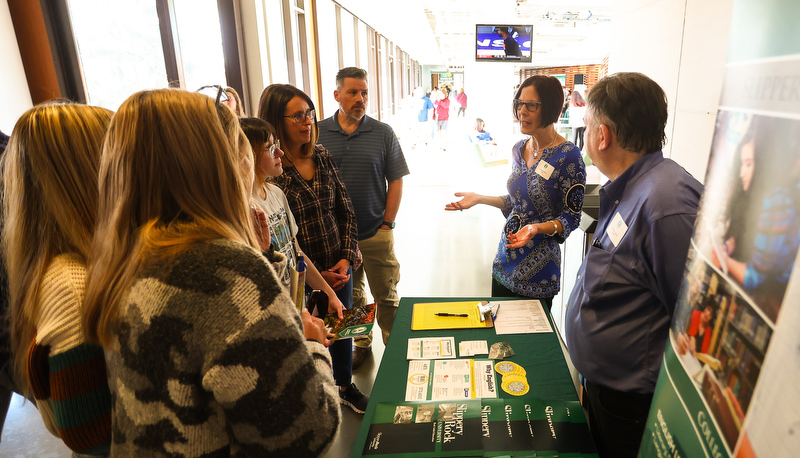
(442, 32)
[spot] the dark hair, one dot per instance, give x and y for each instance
(349, 72)
(774, 160)
(634, 108)
(551, 94)
(271, 107)
(257, 132)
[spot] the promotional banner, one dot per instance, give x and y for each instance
(728, 381)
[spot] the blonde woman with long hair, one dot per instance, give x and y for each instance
(206, 353)
(50, 208)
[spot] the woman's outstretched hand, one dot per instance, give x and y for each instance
(469, 199)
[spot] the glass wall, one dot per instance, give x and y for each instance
(127, 46)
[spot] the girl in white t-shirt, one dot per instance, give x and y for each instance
(267, 155)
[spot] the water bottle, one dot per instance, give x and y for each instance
(300, 292)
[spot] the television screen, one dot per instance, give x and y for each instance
(503, 43)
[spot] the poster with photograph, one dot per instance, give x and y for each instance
(728, 381)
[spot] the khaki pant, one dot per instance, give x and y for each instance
(383, 273)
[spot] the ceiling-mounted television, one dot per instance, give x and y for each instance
(503, 43)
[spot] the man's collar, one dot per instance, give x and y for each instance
(616, 188)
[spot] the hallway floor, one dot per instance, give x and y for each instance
(441, 254)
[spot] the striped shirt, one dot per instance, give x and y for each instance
(68, 375)
(323, 212)
(367, 159)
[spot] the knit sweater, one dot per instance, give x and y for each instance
(68, 376)
(212, 362)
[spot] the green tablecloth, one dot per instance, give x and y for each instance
(539, 354)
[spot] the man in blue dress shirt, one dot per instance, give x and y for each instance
(619, 313)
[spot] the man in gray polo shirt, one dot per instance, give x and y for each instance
(371, 165)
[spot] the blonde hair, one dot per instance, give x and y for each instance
(235, 96)
(50, 205)
(237, 139)
(169, 178)
(271, 108)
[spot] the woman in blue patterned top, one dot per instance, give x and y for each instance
(544, 200)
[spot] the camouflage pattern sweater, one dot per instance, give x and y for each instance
(212, 362)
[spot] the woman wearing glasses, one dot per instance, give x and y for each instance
(267, 156)
(322, 208)
(204, 346)
(544, 200)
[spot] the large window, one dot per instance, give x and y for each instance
(279, 65)
(329, 56)
(119, 49)
(125, 46)
(348, 36)
(199, 43)
(298, 67)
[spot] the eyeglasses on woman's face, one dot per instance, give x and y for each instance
(301, 117)
(271, 149)
(531, 105)
(214, 91)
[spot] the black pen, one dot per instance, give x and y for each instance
(452, 314)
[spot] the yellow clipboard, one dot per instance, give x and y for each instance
(423, 316)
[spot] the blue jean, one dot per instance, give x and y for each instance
(342, 349)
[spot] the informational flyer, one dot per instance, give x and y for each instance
(472, 348)
(728, 383)
(431, 348)
(521, 317)
(450, 379)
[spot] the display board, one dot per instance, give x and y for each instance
(727, 386)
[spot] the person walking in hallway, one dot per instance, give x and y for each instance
(372, 166)
(461, 98)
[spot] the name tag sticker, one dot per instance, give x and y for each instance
(616, 229)
(544, 170)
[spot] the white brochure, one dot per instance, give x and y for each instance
(431, 348)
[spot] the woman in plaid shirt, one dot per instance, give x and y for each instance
(322, 208)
